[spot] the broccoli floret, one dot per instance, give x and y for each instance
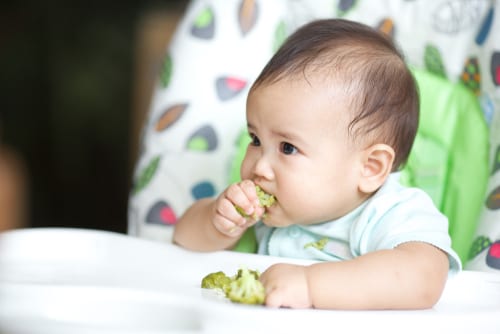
(240, 272)
(243, 213)
(246, 288)
(217, 280)
(265, 200)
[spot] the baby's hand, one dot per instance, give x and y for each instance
(240, 195)
(286, 286)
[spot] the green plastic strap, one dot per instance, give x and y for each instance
(449, 159)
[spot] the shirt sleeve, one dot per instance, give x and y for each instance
(398, 216)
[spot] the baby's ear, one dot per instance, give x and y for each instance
(377, 165)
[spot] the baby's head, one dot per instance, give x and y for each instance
(369, 71)
(331, 115)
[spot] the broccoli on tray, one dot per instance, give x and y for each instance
(217, 280)
(244, 287)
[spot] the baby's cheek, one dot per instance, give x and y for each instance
(245, 169)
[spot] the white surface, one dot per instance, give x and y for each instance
(81, 281)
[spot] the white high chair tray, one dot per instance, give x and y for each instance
(83, 281)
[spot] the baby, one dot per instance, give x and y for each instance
(332, 117)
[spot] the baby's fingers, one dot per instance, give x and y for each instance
(242, 198)
(248, 187)
(227, 220)
(227, 227)
(274, 298)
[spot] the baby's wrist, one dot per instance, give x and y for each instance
(308, 273)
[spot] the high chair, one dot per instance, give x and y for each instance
(193, 128)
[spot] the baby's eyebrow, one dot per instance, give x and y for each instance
(287, 135)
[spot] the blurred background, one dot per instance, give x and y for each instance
(75, 82)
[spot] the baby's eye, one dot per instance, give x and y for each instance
(288, 148)
(254, 140)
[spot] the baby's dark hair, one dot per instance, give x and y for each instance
(371, 71)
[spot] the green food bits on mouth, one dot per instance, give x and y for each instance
(265, 199)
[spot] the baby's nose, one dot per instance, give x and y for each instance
(263, 168)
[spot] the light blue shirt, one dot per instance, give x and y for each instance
(393, 215)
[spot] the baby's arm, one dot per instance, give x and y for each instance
(215, 224)
(411, 276)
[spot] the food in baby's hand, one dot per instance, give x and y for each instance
(244, 287)
(265, 200)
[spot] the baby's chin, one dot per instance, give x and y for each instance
(277, 218)
(274, 220)
(274, 223)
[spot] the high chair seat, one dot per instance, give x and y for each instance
(191, 135)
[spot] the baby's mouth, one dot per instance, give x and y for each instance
(265, 199)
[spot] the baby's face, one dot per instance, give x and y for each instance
(300, 152)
